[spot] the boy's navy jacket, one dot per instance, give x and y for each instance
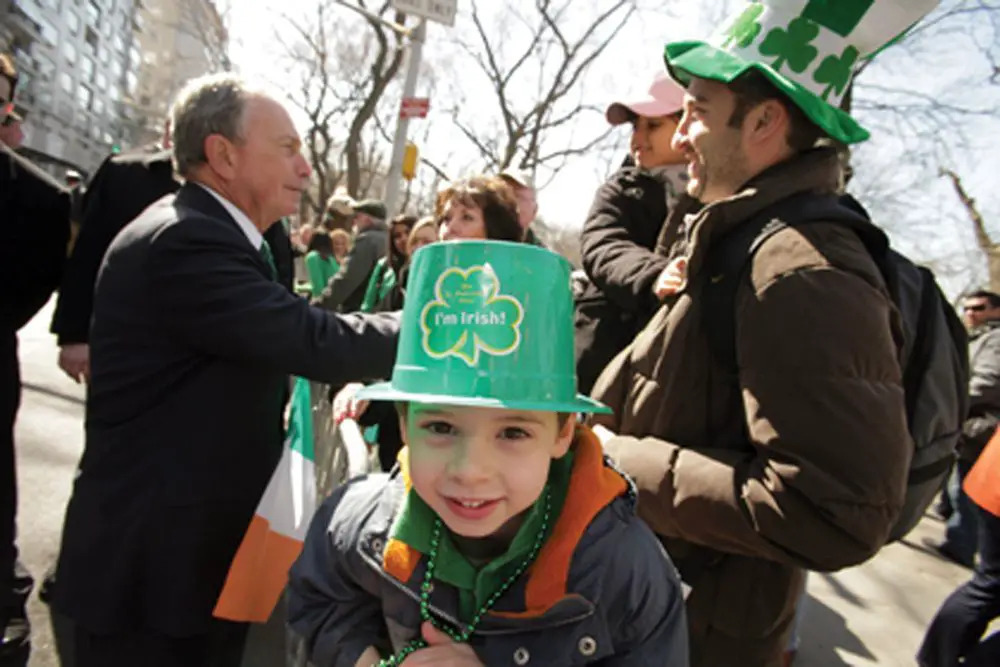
(601, 591)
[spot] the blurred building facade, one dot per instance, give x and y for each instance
(180, 40)
(99, 74)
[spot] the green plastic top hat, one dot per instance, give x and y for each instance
(488, 324)
(807, 48)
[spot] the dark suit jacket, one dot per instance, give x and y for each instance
(190, 349)
(122, 188)
(34, 231)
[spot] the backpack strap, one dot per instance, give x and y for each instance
(729, 258)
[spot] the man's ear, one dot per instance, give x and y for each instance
(767, 120)
(565, 437)
(220, 155)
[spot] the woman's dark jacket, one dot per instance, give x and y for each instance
(617, 246)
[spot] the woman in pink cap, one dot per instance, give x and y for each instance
(623, 226)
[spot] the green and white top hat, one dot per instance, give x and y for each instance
(487, 324)
(808, 49)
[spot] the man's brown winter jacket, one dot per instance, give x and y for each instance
(799, 461)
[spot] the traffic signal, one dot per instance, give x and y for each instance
(410, 155)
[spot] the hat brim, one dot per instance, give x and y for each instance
(622, 112)
(384, 391)
(698, 59)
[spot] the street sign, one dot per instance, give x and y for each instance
(414, 107)
(441, 11)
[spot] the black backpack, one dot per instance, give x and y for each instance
(935, 349)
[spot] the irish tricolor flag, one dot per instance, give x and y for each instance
(260, 569)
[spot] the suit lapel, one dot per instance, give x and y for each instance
(196, 197)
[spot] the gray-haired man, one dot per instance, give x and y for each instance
(191, 344)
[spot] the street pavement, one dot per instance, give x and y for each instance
(874, 614)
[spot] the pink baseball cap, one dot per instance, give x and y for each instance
(665, 97)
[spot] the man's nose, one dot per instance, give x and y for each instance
(304, 170)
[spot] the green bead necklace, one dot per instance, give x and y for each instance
(425, 589)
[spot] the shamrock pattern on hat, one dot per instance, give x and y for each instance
(836, 71)
(792, 45)
(809, 49)
(745, 28)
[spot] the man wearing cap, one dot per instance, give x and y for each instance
(796, 456)
(527, 203)
(371, 242)
(34, 210)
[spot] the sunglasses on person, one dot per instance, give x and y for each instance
(974, 307)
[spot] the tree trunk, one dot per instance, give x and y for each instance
(990, 248)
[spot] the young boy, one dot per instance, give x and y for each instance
(503, 536)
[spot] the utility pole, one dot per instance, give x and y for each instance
(394, 181)
(439, 11)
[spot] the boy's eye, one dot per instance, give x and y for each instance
(438, 428)
(514, 433)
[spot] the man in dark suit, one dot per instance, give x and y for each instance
(191, 343)
(34, 230)
(123, 186)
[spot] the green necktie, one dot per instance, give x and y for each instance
(265, 251)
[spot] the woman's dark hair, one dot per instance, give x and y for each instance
(321, 243)
(396, 258)
(494, 197)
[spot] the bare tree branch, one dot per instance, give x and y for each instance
(535, 126)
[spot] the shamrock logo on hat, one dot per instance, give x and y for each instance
(469, 315)
(792, 46)
(836, 72)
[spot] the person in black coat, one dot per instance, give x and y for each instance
(191, 343)
(34, 231)
(622, 229)
(123, 186)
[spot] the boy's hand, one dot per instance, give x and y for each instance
(345, 406)
(441, 651)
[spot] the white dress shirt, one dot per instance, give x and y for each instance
(252, 233)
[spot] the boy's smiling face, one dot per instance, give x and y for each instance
(480, 468)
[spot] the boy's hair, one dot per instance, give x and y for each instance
(494, 197)
(561, 417)
(751, 88)
(9, 72)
